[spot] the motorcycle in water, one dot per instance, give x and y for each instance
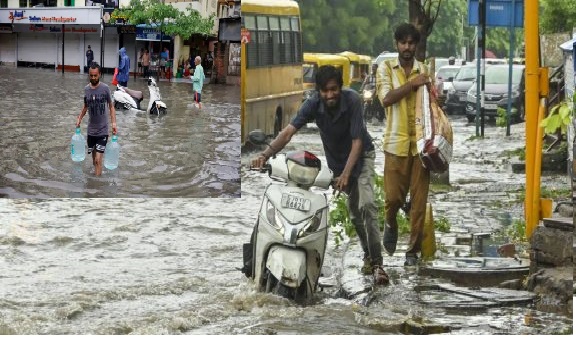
(155, 105)
(125, 98)
(289, 240)
(367, 109)
(371, 106)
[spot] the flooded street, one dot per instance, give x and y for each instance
(168, 266)
(187, 153)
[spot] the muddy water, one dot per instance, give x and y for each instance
(186, 153)
(167, 266)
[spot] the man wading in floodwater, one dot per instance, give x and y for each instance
(96, 95)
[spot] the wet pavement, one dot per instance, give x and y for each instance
(485, 196)
(186, 153)
(168, 266)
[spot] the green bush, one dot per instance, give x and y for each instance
(339, 218)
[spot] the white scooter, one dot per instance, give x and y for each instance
(155, 105)
(291, 231)
(125, 98)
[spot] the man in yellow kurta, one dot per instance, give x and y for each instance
(397, 82)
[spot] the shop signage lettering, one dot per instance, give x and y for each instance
(60, 19)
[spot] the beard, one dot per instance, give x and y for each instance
(331, 104)
(407, 55)
(94, 82)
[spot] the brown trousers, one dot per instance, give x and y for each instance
(400, 175)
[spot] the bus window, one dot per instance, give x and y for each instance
(272, 73)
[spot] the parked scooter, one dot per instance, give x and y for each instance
(125, 98)
(155, 105)
(289, 240)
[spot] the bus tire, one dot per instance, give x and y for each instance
(278, 121)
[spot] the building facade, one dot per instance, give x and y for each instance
(57, 33)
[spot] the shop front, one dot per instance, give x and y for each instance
(49, 37)
(148, 37)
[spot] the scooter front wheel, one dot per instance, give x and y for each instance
(276, 287)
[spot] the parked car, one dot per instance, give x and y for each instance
(443, 81)
(456, 93)
(496, 92)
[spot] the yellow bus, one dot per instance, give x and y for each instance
(312, 61)
(271, 81)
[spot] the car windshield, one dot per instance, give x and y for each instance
(499, 75)
(447, 72)
(466, 74)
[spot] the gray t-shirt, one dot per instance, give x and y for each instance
(98, 100)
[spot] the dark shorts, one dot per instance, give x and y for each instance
(97, 143)
(197, 97)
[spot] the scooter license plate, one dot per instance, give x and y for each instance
(290, 201)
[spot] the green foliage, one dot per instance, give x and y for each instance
(558, 118)
(557, 16)
(520, 153)
(501, 118)
(548, 193)
(498, 40)
(169, 19)
(191, 23)
(365, 27)
(342, 227)
(515, 233)
(442, 225)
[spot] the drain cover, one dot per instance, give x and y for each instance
(477, 271)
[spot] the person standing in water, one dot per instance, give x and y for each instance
(198, 81)
(97, 102)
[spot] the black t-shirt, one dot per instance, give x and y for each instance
(337, 129)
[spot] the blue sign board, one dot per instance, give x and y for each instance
(150, 34)
(498, 13)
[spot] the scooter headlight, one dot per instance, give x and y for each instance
(274, 218)
(312, 225)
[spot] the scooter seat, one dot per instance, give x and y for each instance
(138, 95)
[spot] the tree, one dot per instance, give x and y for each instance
(339, 25)
(167, 18)
(423, 15)
(557, 16)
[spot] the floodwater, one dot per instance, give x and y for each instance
(186, 153)
(168, 266)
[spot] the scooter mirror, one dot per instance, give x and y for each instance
(257, 137)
